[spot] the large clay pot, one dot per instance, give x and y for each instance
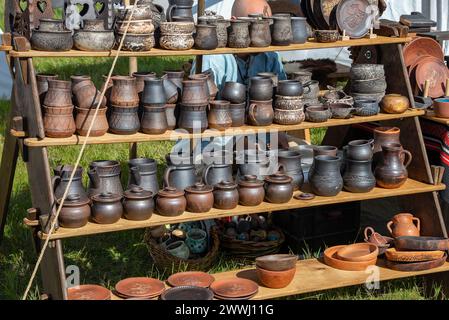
(75, 212)
(278, 188)
(104, 176)
(282, 33)
(358, 177)
(260, 33)
(170, 202)
(206, 37)
(124, 91)
(61, 180)
(154, 93)
(326, 179)
(143, 173)
(299, 29)
(138, 204)
(226, 196)
(403, 225)
(154, 120)
(124, 120)
(193, 118)
(84, 118)
(179, 175)
(260, 113)
(261, 88)
(42, 84)
(195, 93)
(59, 122)
(219, 116)
(107, 208)
(251, 191)
(238, 35)
(360, 150)
(199, 198)
(290, 163)
(59, 94)
(391, 172)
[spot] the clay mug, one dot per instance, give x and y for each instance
(373, 237)
(403, 225)
(260, 113)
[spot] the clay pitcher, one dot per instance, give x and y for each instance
(104, 177)
(143, 173)
(59, 94)
(391, 172)
(61, 180)
(403, 225)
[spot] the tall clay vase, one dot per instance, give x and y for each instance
(124, 91)
(61, 178)
(59, 122)
(206, 37)
(85, 117)
(104, 176)
(391, 172)
(42, 84)
(404, 225)
(358, 177)
(326, 179)
(260, 33)
(299, 30)
(219, 116)
(59, 94)
(282, 33)
(154, 120)
(238, 34)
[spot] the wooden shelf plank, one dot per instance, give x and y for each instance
(161, 52)
(410, 187)
(430, 115)
(175, 135)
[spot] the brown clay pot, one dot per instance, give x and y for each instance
(124, 91)
(107, 208)
(59, 94)
(403, 224)
(219, 116)
(170, 202)
(226, 195)
(75, 212)
(59, 122)
(138, 204)
(84, 118)
(87, 95)
(391, 172)
(195, 93)
(251, 191)
(212, 88)
(278, 188)
(261, 113)
(441, 107)
(199, 198)
(275, 279)
(42, 84)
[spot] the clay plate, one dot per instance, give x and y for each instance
(234, 299)
(358, 252)
(352, 16)
(330, 258)
(420, 47)
(191, 279)
(413, 256)
(421, 243)
(433, 69)
(234, 288)
(140, 287)
(187, 293)
(88, 292)
(416, 266)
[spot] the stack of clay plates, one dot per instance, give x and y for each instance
(354, 257)
(139, 288)
(88, 292)
(234, 289)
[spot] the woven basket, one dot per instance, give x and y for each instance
(165, 261)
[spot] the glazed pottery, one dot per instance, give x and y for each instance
(85, 40)
(42, 84)
(216, 173)
(138, 204)
(124, 120)
(75, 212)
(278, 188)
(86, 94)
(199, 198)
(277, 262)
(331, 259)
(391, 172)
(238, 34)
(59, 122)
(219, 116)
(251, 191)
(51, 25)
(260, 113)
(299, 30)
(188, 293)
(318, 114)
(290, 88)
(404, 224)
(358, 177)
(197, 241)
(88, 292)
(59, 94)
(290, 162)
(140, 79)
(260, 88)
(358, 252)
(441, 107)
(191, 278)
(193, 118)
(369, 86)
(226, 195)
(195, 93)
(234, 92)
(154, 93)
(124, 91)
(288, 117)
(107, 208)
(51, 40)
(366, 107)
(282, 33)
(326, 179)
(135, 26)
(143, 173)
(104, 176)
(395, 103)
(289, 103)
(238, 114)
(85, 117)
(302, 76)
(260, 33)
(341, 110)
(181, 175)
(275, 279)
(360, 150)
(412, 256)
(170, 202)
(170, 115)
(327, 36)
(367, 71)
(154, 120)
(421, 243)
(177, 42)
(61, 179)
(136, 42)
(206, 37)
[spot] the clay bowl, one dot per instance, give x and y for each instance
(421, 243)
(341, 110)
(191, 278)
(277, 262)
(234, 92)
(395, 103)
(358, 252)
(366, 107)
(136, 42)
(331, 259)
(94, 40)
(318, 114)
(326, 36)
(135, 26)
(177, 28)
(369, 86)
(275, 279)
(366, 71)
(52, 41)
(140, 287)
(441, 107)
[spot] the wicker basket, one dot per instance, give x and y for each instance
(165, 261)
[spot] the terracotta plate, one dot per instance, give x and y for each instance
(140, 287)
(435, 70)
(358, 252)
(330, 258)
(187, 293)
(416, 266)
(420, 47)
(239, 298)
(352, 17)
(88, 292)
(234, 288)
(413, 256)
(191, 278)
(422, 243)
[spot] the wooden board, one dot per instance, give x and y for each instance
(313, 275)
(245, 130)
(410, 187)
(430, 115)
(193, 52)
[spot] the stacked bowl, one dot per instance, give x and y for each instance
(289, 105)
(368, 82)
(276, 271)
(140, 30)
(177, 35)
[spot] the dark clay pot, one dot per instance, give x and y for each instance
(219, 116)
(238, 114)
(153, 93)
(282, 33)
(261, 88)
(124, 91)
(358, 177)
(216, 173)
(75, 212)
(154, 120)
(238, 34)
(107, 208)
(143, 173)
(222, 31)
(234, 92)
(86, 94)
(170, 202)
(299, 30)
(278, 188)
(140, 79)
(104, 177)
(179, 175)
(260, 113)
(171, 90)
(391, 172)
(177, 77)
(251, 191)
(59, 94)
(290, 88)
(290, 162)
(85, 117)
(226, 195)
(195, 93)
(199, 198)
(193, 116)
(138, 204)
(61, 180)
(326, 179)
(124, 120)
(260, 33)
(360, 150)
(42, 84)
(206, 37)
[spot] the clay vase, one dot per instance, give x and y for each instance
(403, 225)
(384, 136)
(59, 94)
(193, 118)
(75, 212)
(107, 208)
(170, 202)
(138, 204)
(299, 29)
(42, 84)
(170, 115)
(251, 191)
(222, 31)
(261, 88)
(226, 195)
(282, 33)
(260, 113)
(358, 177)
(59, 122)
(154, 120)
(84, 118)
(124, 91)
(104, 177)
(124, 120)
(326, 179)
(219, 116)
(238, 34)
(143, 173)
(360, 150)
(195, 93)
(154, 93)
(61, 179)
(199, 198)
(278, 188)
(260, 33)
(206, 37)
(391, 172)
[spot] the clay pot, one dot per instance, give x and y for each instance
(141, 12)
(391, 172)
(358, 177)
(251, 191)
(206, 37)
(366, 107)
(226, 195)
(299, 30)
(193, 118)
(42, 84)
(290, 88)
(59, 94)
(277, 262)
(195, 93)
(238, 34)
(138, 204)
(288, 117)
(275, 279)
(51, 40)
(86, 94)
(238, 114)
(179, 249)
(217, 172)
(367, 71)
(75, 212)
(360, 150)
(97, 41)
(441, 107)
(104, 176)
(222, 32)
(260, 113)
(135, 26)
(327, 36)
(179, 175)
(170, 115)
(289, 103)
(403, 225)
(325, 151)
(177, 28)
(84, 118)
(107, 208)
(395, 103)
(51, 25)
(170, 202)
(199, 198)
(59, 122)
(124, 91)
(234, 92)
(290, 162)
(135, 42)
(209, 83)
(261, 88)
(278, 188)
(180, 10)
(254, 8)
(260, 33)
(219, 116)
(282, 33)
(140, 79)
(326, 179)
(341, 110)
(154, 93)
(318, 114)
(61, 179)
(143, 173)
(93, 24)
(197, 241)
(124, 120)
(154, 120)
(271, 75)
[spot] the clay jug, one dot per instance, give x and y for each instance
(260, 113)
(403, 225)
(391, 172)
(180, 172)
(143, 173)
(326, 179)
(104, 177)
(42, 84)
(61, 180)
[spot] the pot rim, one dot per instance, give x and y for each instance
(278, 178)
(65, 32)
(199, 188)
(254, 182)
(112, 164)
(170, 192)
(328, 158)
(138, 193)
(106, 197)
(225, 185)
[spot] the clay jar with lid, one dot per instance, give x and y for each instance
(75, 212)
(138, 204)
(251, 191)
(278, 188)
(107, 208)
(199, 198)
(170, 202)
(226, 195)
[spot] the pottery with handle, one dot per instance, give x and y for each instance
(404, 224)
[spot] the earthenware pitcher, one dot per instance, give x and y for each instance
(326, 179)
(404, 224)
(391, 172)
(143, 173)
(59, 94)
(154, 93)
(290, 164)
(104, 176)
(61, 180)
(216, 173)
